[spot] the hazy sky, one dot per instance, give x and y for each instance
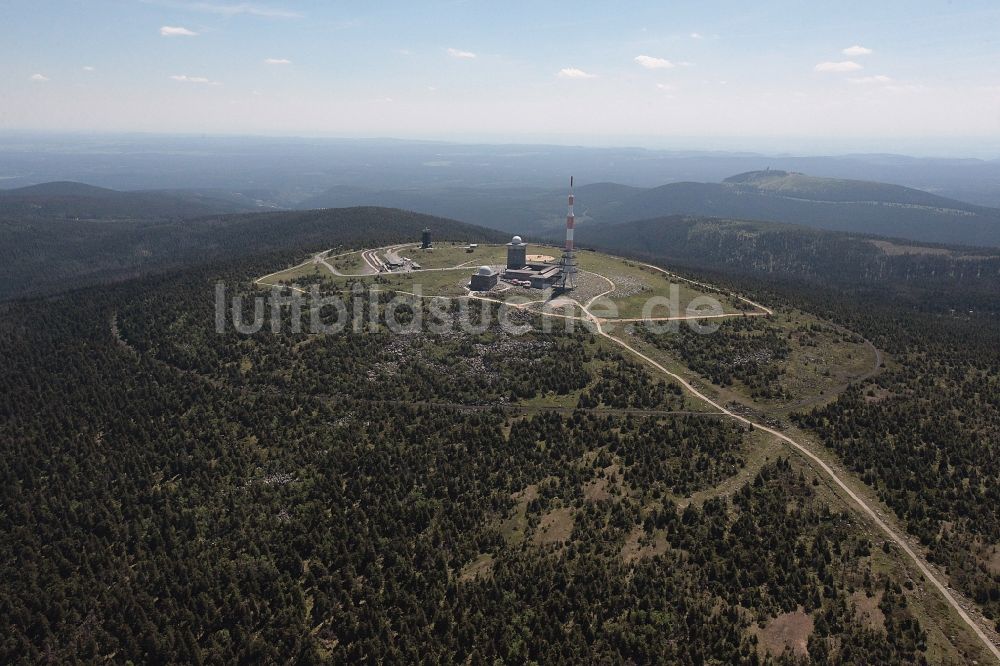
(656, 72)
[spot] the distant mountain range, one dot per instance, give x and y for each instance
(72, 200)
(287, 171)
(63, 234)
(779, 196)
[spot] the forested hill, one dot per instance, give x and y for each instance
(783, 251)
(175, 495)
(823, 203)
(779, 196)
(48, 255)
(800, 186)
(71, 200)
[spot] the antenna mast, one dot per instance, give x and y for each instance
(567, 278)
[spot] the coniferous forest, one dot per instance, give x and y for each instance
(174, 495)
(485, 334)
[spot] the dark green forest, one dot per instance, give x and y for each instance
(925, 434)
(942, 279)
(43, 251)
(155, 516)
(171, 495)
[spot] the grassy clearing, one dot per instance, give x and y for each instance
(514, 527)
(428, 283)
(789, 631)
(556, 526)
(821, 360)
(867, 610)
(447, 255)
(634, 284)
(639, 545)
(671, 299)
(481, 567)
(560, 307)
(993, 560)
(309, 270)
(348, 263)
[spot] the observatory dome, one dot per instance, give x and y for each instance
(516, 240)
(485, 270)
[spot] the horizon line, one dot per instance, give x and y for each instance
(572, 141)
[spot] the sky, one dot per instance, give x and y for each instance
(847, 76)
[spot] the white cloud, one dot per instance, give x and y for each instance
(456, 53)
(277, 61)
(574, 73)
(697, 35)
(664, 86)
(88, 68)
(843, 66)
(184, 78)
(41, 78)
(878, 78)
(177, 31)
(649, 62)
(226, 10)
(856, 50)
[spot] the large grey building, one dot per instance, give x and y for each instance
(539, 273)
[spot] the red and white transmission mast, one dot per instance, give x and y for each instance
(567, 278)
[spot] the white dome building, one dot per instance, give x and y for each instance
(484, 279)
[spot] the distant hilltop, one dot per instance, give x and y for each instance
(756, 176)
(796, 185)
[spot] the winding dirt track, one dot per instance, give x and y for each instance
(865, 508)
(868, 510)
